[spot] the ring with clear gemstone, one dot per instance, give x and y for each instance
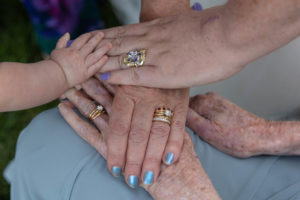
(135, 58)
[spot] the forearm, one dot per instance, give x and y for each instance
(255, 28)
(27, 85)
(152, 9)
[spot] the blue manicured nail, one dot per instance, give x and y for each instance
(169, 158)
(105, 76)
(148, 177)
(116, 171)
(133, 181)
(197, 6)
(69, 43)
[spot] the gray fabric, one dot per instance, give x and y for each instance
(52, 162)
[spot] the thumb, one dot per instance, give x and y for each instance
(143, 76)
(62, 42)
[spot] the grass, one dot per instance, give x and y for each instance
(18, 44)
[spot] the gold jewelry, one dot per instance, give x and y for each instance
(97, 112)
(163, 115)
(135, 58)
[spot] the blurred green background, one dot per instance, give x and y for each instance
(18, 43)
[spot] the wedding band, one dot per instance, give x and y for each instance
(97, 112)
(163, 115)
(135, 58)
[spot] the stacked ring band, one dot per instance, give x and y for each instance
(163, 115)
(98, 111)
(135, 58)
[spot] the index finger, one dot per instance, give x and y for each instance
(124, 31)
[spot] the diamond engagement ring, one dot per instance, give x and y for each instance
(135, 58)
(98, 111)
(163, 115)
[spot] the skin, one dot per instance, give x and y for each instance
(48, 79)
(184, 180)
(135, 143)
(197, 48)
(239, 133)
(215, 119)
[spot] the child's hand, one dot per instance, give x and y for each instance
(79, 61)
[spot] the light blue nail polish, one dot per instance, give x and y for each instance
(169, 158)
(148, 177)
(69, 43)
(133, 181)
(116, 171)
(105, 76)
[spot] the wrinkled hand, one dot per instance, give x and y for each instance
(185, 179)
(182, 51)
(135, 143)
(79, 61)
(228, 127)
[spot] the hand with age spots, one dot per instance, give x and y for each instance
(237, 132)
(185, 179)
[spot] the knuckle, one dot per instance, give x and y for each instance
(160, 130)
(178, 124)
(138, 135)
(134, 76)
(119, 128)
(117, 42)
(120, 32)
(89, 107)
(133, 164)
(152, 160)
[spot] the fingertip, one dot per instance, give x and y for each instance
(169, 158)
(101, 34)
(105, 76)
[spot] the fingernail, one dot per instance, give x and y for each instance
(169, 158)
(197, 6)
(65, 99)
(69, 43)
(105, 76)
(148, 177)
(116, 171)
(133, 181)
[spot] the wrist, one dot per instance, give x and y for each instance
(284, 138)
(61, 75)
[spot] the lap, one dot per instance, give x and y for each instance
(52, 162)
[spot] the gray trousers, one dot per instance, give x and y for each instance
(52, 162)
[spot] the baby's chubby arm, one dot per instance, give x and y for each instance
(27, 85)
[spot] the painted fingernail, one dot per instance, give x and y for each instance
(148, 177)
(65, 99)
(116, 171)
(105, 76)
(197, 6)
(169, 158)
(69, 43)
(133, 181)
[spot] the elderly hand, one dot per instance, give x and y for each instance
(135, 143)
(237, 132)
(185, 179)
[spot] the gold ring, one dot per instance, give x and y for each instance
(163, 115)
(135, 58)
(97, 112)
